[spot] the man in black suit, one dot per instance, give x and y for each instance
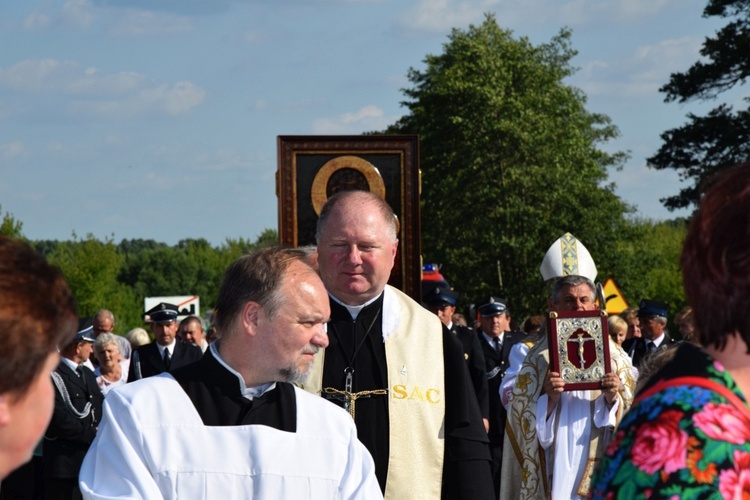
(652, 315)
(442, 302)
(167, 353)
(496, 339)
(78, 409)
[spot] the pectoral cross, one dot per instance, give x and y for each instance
(347, 396)
(580, 341)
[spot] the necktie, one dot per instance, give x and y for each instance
(79, 370)
(651, 347)
(498, 345)
(167, 359)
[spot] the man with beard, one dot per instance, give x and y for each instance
(232, 425)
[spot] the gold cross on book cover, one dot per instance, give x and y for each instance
(579, 347)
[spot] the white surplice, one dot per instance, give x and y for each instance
(153, 444)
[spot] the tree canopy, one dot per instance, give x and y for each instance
(105, 275)
(10, 226)
(510, 160)
(707, 144)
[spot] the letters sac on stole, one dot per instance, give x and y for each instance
(401, 391)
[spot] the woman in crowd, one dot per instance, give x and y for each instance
(37, 313)
(112, 370)
(618, 329)
(137, 337)
(687, 434)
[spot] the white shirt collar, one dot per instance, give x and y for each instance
(72, 364)
(170, 347)
(391, 310)
(491, 340)
(247, 392)
(658, 340)
(354, 310)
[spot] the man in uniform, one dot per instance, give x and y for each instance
(441, 301)
(232, 425)
(496, 339)
(558, 436)
(167, 353)
(652, 318)
(78, 409)
(391, 363)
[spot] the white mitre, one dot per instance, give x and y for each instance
(567, 256)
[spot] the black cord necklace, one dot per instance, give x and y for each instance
(349, 370)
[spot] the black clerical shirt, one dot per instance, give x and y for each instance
(215, 393)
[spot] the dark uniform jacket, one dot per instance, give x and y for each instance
(495, 366)
(475, 363)
(146, 361)
(68, 437)
(637, 348)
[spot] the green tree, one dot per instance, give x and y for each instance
(708, 144)
(648, 262)
(91, 268)
(10, 226)
(510, 162)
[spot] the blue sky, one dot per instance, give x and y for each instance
(158, 118)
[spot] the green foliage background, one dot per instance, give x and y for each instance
(105, 275)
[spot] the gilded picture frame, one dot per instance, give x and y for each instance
(312, 168)
(579, 347)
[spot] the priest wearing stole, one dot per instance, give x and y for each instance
(392, 364)
(232, 425)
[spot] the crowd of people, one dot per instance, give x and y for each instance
(316, 379)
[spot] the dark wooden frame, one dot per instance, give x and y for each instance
(306, 165)
(561, 327)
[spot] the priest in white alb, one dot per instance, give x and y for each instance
(232, 425)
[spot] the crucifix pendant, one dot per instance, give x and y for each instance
(348, 386)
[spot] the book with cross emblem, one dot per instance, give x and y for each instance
(579, 347)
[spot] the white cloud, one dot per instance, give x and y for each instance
(584, 12)
(36, 20)
(36, 74)
(73, 14)
(177, 99)
(92, 83)
(142, 22)
(112, 95)
(13, 150)
(439, 16)
(642, 73)
(78, 13)
(366, 119)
